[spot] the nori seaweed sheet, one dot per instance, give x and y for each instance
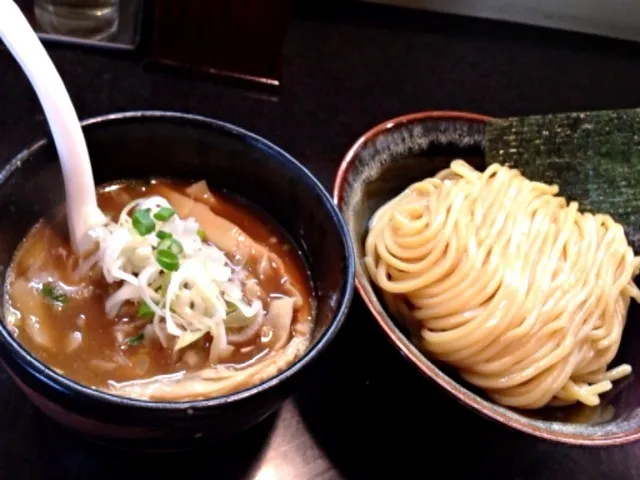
(594, 157)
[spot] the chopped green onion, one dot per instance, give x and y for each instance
(162, 235)
(145, 311)
(52, 292)
(167, 260)
(164, 214)
(201, 234)
(172, 245)
(133, 341)
(176, 247)
(142, 222)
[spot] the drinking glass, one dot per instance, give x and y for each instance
(88, 19)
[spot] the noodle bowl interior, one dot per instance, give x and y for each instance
(508, 282)
(188, 294)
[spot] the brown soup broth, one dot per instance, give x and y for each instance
(78, 340)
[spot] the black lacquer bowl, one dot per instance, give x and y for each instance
(380, 165)
(161, 144)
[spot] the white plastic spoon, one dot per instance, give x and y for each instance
(82, 207)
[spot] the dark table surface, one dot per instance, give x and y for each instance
(366, 412)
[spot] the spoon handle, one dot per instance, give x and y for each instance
(25, 46)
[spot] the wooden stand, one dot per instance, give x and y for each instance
(240, 40)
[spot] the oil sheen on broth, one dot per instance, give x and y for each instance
(79, 317)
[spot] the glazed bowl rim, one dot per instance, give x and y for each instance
(403, 344)
(65, 384)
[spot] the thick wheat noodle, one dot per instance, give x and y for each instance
(503, 279)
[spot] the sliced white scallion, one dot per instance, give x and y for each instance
(186, 287)
(188, 337)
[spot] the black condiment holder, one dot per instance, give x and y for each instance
(236, 42)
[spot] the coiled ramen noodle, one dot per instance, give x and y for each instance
(508, 282)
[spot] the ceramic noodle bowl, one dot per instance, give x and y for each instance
(381, 165)
(200, 192)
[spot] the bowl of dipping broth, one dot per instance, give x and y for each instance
(493, 285)
(222, 270)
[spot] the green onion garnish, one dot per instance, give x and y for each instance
(142, 222)
(164, 214)
(172, 245)
(177, 248)
(167, 260)
(161, 234)
(133, 341)
(145, 311)
(201, 234)
(52, 292)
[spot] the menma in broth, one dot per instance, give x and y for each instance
(188, 295)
